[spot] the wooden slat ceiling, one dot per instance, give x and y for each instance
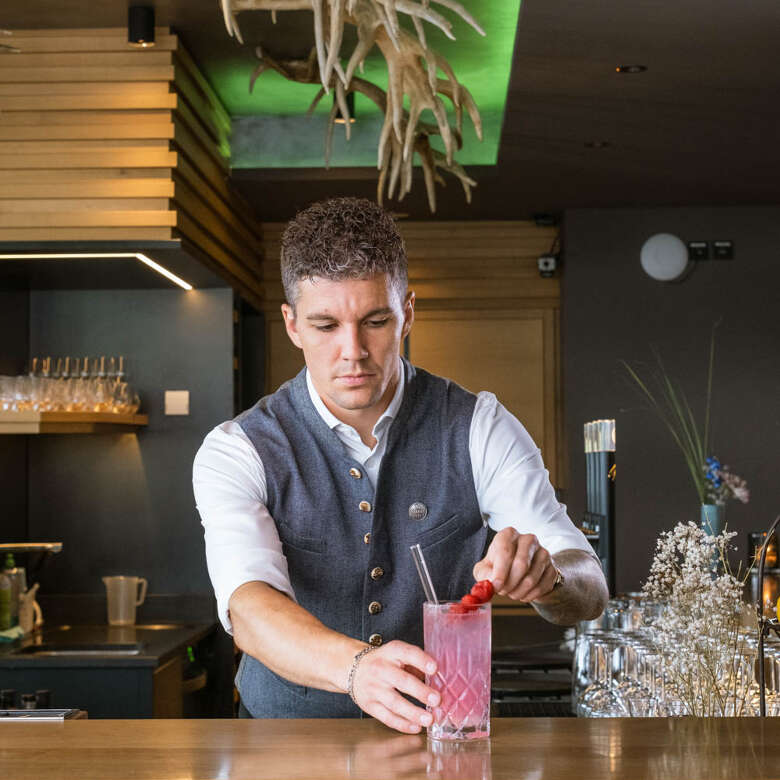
(464, 265)
(84, 158)
(698, 128)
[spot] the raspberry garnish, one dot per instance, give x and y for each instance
(483, 590)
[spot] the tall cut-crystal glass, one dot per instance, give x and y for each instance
(459, 639)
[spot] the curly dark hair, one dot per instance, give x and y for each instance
(342, 238)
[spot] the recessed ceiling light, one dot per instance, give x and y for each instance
(140, 26)
(631, 68)
(598, 144)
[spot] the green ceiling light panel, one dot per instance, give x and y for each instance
(271, 129)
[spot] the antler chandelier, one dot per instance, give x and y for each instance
(413, 71)
(6, 47)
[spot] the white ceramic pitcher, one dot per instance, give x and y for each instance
(124, 594)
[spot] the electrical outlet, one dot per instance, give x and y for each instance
(723, 250)
(698, 250)
(177, 402)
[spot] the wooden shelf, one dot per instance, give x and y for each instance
(70, 422)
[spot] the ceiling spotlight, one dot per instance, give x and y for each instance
(598, 144)
(630, 68)
(140, 26)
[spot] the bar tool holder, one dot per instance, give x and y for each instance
(598, 523)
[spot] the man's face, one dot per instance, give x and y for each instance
(350, 333)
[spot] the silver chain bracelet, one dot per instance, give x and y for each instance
(351, 679)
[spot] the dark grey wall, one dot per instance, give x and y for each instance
(123, 504)
(14, 337)
(612, 310)
(14, 341)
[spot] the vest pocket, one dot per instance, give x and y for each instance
(265, 693)
(440, 533)
(298, 541)
(298, 690)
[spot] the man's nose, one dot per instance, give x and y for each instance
(352, 347)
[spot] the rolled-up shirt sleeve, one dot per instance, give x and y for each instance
(242, 542)
(513, 486)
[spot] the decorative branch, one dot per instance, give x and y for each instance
(412, 72)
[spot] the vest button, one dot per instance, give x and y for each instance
(375, 640)
(364, 506)
(374, 607)
(353, 472)
(377, 573)
(366, 538)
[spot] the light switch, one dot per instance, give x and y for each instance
(177, 402)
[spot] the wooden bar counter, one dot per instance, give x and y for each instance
(522, 748)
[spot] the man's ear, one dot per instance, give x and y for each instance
(408, 313)
(291, 324)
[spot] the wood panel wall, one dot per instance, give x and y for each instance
(484, 317)
(103, 142)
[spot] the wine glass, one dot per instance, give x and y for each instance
(601, 698)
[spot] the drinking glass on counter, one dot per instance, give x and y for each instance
(619, 669)
(70, 384)
(460, 641)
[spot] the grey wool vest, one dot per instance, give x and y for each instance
(324, 505)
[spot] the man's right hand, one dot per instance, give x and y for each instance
(382, 677)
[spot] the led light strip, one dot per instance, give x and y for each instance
(164, 271)
(91, 256)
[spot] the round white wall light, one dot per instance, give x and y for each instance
(664, 257)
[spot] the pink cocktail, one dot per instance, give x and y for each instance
(459, 640)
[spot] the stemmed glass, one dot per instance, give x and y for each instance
(584, 664)
(7, 393)
(601, 698)
(772, 671)
(70, 384)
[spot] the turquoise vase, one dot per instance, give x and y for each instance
(713, 518)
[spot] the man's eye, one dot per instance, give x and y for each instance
(378, 323)
(326, 328)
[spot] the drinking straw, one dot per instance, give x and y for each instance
(425, 576)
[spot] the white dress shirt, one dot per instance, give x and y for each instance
(242, 543)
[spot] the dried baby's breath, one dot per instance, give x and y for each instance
(699, 628)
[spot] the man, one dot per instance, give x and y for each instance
(311, 499)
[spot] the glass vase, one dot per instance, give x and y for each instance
(713, 518)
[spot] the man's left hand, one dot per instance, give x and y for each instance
(518, 566)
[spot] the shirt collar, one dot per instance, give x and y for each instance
(387, 416)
